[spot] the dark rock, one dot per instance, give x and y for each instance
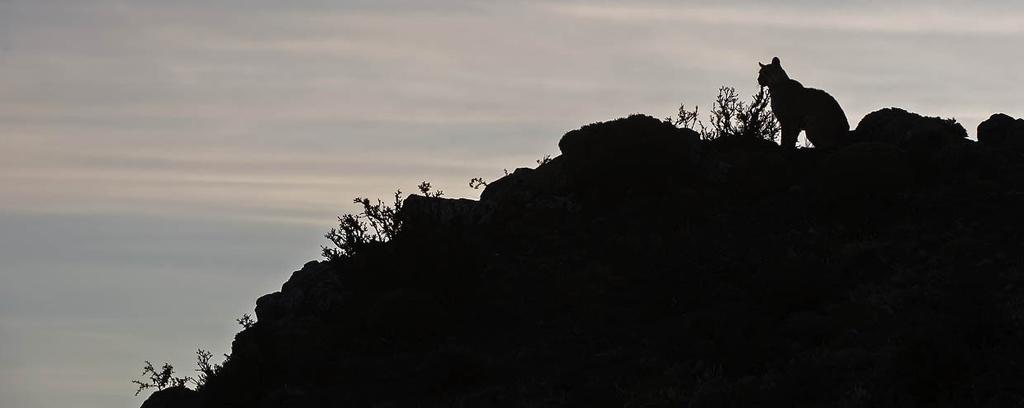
(408, 314)
(299, 339)
(432, 212)
(741, 143)
(517, 187)
(524, 184)
(638, 134)
(315, 288)
(287, 396)
(1002, 131)
(174, 397)
(451, 368)
(755, 172)
(909, 130)
(968, 160)
(865, 171)
(634, 155)
(807, 327)
(638, 154)
(642, 267)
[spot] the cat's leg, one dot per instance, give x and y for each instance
(789, 136)
(817, 132)
(824, 133)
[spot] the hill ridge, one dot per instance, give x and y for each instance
(647, 267)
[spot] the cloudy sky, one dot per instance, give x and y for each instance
(164, 163)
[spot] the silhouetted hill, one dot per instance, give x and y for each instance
(647, 268)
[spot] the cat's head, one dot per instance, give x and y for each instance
(771, 74)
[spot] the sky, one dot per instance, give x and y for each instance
(165, 163)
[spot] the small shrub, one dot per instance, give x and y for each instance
(689, 119)
(377, 223)
(164, 378)
(246, 321)
(477, 182)
(206, 369)
(731, 117)
(425, 190)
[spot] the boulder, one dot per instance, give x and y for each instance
(314, 289)
(909, 130)
(173, 397)
(524, 184)
(516, 186)
(638, 154)
(420, 212)
(1002, 131)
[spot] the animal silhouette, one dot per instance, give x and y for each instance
(798, 108)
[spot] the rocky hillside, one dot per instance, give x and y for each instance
(644, 267)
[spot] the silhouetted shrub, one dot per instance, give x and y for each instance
(206, 369)
(377, 223)
(477, 182)
(425, 189)
(731, 117)
(246, 321)
(164, 378)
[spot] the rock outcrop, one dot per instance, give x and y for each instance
(645, 267)
(173, 397)
(635, 155)
(909, 130)
(1002, 131)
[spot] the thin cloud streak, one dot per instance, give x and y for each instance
(896, 19)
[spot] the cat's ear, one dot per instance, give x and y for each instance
(762, 65)
(775, 61)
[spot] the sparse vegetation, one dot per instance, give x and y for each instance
(377, 223)
(738, 291)
(159, 379)
(206, 369)
(477, 182)
(425, 189)
(732, 117)
(164, 377)
(246, 321)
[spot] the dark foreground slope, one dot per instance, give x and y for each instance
(645, 268)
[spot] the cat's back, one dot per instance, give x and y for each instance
(821, 103)
(819, 96)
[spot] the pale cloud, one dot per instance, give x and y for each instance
(957, 18)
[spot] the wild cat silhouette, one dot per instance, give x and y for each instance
(798, 108)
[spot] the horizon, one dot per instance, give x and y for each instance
(164, 165)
